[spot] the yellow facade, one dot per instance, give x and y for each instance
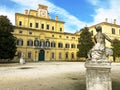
(112, 30)
(41, 38)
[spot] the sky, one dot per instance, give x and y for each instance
(75, 13)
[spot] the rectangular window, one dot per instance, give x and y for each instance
(20, 23)
(53, 44)
(52, 35)
(29, 55)
(52, 55)
(67, 37)
(36, 25)
(66, 55)
(60, 55)
(72, 55)
(60, 29)
(20, 32)
(30, 24)
(42, 26)
(73, 37)
(113, 31)
(52, 27)
(19, 54)
(60, 36)
(92, 33)
(30, 33)
(47, 27)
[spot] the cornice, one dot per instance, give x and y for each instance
(31, 16)
(38, 30)
(105, 23)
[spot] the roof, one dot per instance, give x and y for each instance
(38, 17)
(105, 23)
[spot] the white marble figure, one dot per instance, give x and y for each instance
(22, 59)
(100, 51)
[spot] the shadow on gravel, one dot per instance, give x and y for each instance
(26, 67)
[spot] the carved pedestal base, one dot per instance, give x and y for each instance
(98, 75)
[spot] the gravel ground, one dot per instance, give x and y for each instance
(48, 76)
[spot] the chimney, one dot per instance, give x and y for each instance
(114, 21)
(26, 12)
(39, 6)
(56, 18)
(106, 19)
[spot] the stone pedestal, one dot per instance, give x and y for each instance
(98, 75)
(22, 61)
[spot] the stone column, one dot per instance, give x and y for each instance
(98, 75)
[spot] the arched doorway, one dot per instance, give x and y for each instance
(41, 55)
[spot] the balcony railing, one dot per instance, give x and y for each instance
(41, 47)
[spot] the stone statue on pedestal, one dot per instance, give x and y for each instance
(22, 59)
(100, 51)
(98, 68)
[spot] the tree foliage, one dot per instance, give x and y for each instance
(7, 40)
(116, 48)
(85, 42)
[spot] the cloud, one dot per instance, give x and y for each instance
(111, 11)
(9, 13)
(72, 23)
(94, 2)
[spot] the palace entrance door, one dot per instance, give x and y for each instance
(41, 55)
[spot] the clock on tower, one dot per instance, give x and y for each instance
(43, 13)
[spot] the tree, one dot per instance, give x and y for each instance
(7, 40)
(116, 48)
(85, 42)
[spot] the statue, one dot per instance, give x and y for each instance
(98, 67)
(100, 51)
(22, 59)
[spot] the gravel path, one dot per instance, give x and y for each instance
(47, 76)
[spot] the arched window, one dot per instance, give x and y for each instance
(47, 44)
(36, 43)
(53, 44)
(72, 45)
(29, 43)
(60, 45)
(20, 42)
(42, 44)
(67, 45)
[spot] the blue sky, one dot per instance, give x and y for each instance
(75, 13)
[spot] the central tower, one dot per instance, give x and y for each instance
(42, 11)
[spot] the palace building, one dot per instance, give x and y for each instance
(41, 38)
